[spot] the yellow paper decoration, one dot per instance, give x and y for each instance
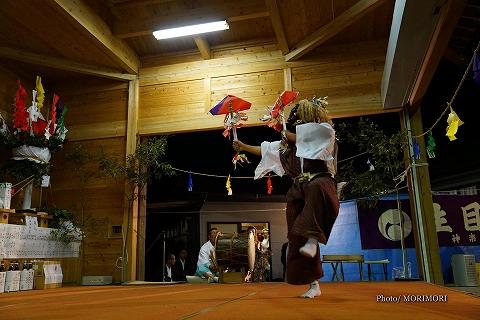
(453, 123)
(40, 93)
(229, 187)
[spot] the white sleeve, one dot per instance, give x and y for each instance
(270, 160)
(315, 141)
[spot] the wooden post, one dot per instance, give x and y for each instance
(130, 219)
(423, 216)
(142, 233)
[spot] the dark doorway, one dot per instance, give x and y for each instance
(179, 223)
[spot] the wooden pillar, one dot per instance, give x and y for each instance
(142, 233)
(287, 78)
(130, 218)
(423, 216)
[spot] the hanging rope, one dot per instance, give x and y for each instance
(449, 103)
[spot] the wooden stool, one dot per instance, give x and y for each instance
(383, 262)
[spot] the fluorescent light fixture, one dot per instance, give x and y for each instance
(189, 30)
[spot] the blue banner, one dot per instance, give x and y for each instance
(457, 221)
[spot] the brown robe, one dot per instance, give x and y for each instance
(312, 208)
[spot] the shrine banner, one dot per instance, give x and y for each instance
(380, 226)
(457, 221)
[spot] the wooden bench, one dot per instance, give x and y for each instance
(383, 262)
(339, 260)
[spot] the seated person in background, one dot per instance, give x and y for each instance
(169, 273)
(206, 267)
(183, 265)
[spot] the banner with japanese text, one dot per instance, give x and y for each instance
(457, 221)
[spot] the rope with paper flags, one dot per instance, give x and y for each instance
(453, 121)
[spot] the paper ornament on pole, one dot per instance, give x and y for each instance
(416, 149)
(431, 146)
(190, 182)
(229, 186)
(40, 93)
(453, 123)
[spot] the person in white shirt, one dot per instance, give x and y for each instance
(206, 267)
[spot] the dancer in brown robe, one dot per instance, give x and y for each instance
(312, 203)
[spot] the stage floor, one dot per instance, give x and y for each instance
(343, 300)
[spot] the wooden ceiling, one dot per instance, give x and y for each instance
(116, 35)
(466, 34)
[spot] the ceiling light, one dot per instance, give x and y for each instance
(189, 30)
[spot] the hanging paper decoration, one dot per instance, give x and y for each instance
(431, 146)
(453, 123)
(269, 186)
(476, 68)
(275, 117)
(61, 130)
(416, 149)
(190, 182)
(40, 93)
(231, 107)
(229, 186)
(53, 114)
(36, 121)
(370, 165)
(20, 116)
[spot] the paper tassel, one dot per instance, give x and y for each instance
(229, 186)
(453, 123)
(269, 185)
(40, 93)
(431, 146)
(20, 117)
(190, 182)
(371, 167)
(416, 149)
(53, 114)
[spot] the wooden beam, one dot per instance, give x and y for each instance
(413, 25)
(203, 47)
(251, 16)
(90, 23)
(287, 78)
(127, 28)
(449, 16)
(131, 217)
(64, 64)
(331, 29)
(137, 3)
(277, 24)
(423, 215)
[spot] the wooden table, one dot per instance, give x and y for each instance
(339, 260)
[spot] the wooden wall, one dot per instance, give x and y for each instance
(8, 87)
(96, 119)
(176, 94)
